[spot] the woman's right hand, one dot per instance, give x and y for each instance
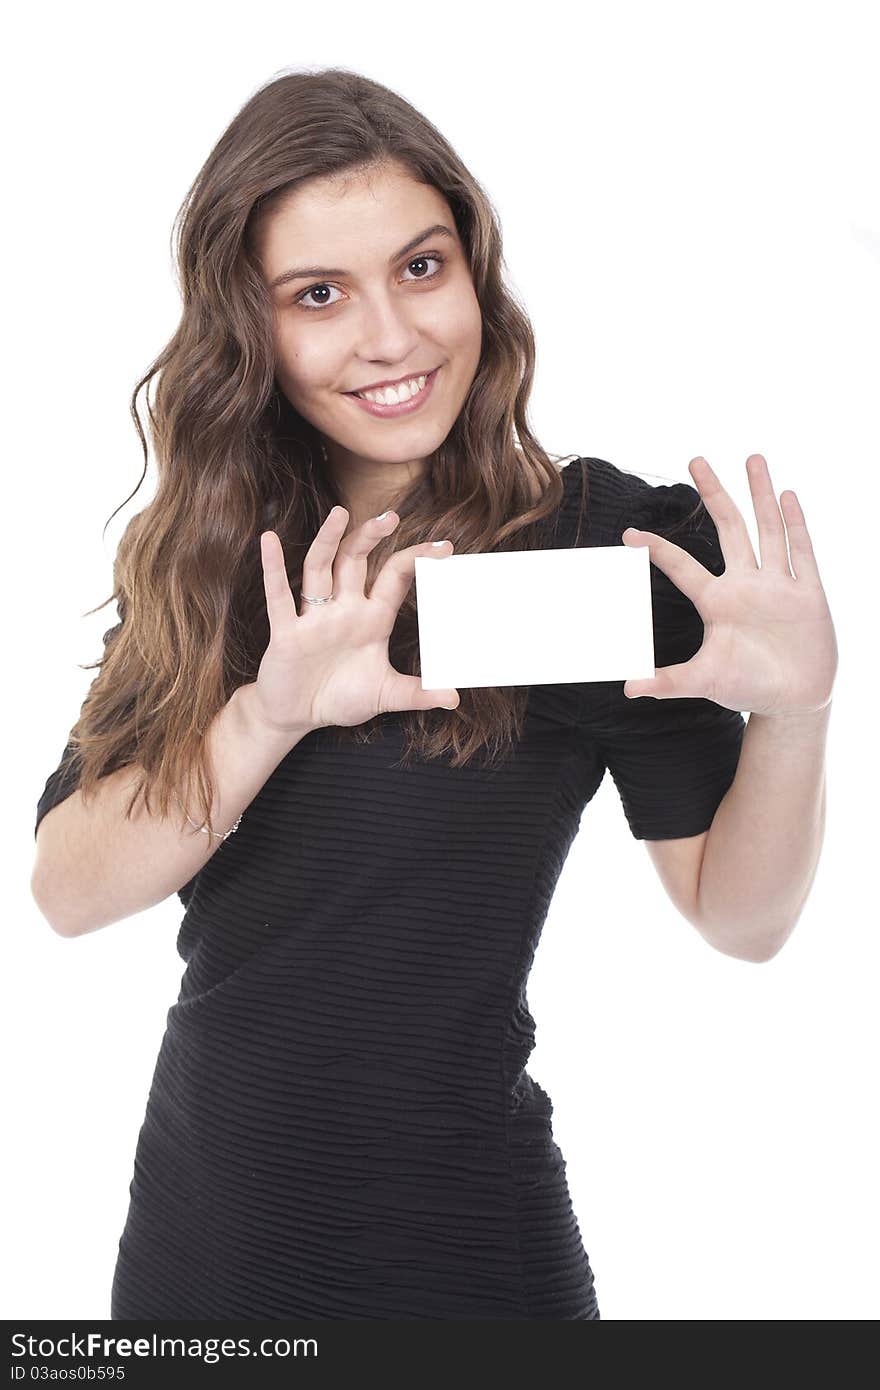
(329, 665)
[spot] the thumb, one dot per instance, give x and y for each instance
(668, 683)
(406, 693)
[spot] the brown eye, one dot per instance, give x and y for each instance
(422, 260)
(314, 289)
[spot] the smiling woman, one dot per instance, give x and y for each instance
(392, 317)
(341, 1123)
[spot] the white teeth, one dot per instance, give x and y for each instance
(393, 395)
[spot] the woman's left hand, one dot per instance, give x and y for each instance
(769, 645)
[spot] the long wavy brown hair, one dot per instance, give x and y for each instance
(235, 458)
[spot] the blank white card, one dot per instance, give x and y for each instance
(535, 617)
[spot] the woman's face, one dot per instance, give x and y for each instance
(380, 293)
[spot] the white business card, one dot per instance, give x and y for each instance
(535, 617)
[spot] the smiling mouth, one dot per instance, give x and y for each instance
(396, 408)
(393, 385)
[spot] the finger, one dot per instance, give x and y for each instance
(279, 599)
(393, 581)
(803, 559)
(733, 534)
(317, 572)
(352, 553)
(405, 692)
(771, 528)
(679, 565)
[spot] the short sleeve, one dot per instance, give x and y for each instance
(65, 778)
(672, 760)
(59, 784)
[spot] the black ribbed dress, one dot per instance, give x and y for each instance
(340, 1124)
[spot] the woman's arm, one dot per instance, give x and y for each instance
(94, 867)
(769, 646)
(763, 847)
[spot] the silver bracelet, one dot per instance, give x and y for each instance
(225, 836)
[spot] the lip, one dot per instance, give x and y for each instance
(403, 407)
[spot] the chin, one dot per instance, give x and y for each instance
(398, 447)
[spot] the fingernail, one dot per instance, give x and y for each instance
(383, 516)
(440, 543)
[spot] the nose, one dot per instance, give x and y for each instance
(388, 333)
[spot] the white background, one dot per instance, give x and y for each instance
(690, 208)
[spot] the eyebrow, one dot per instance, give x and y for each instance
(308, 271)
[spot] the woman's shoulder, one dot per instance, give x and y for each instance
(618, 497)
(594, 493)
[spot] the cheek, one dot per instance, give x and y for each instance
(465, 324)
(300, 365)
